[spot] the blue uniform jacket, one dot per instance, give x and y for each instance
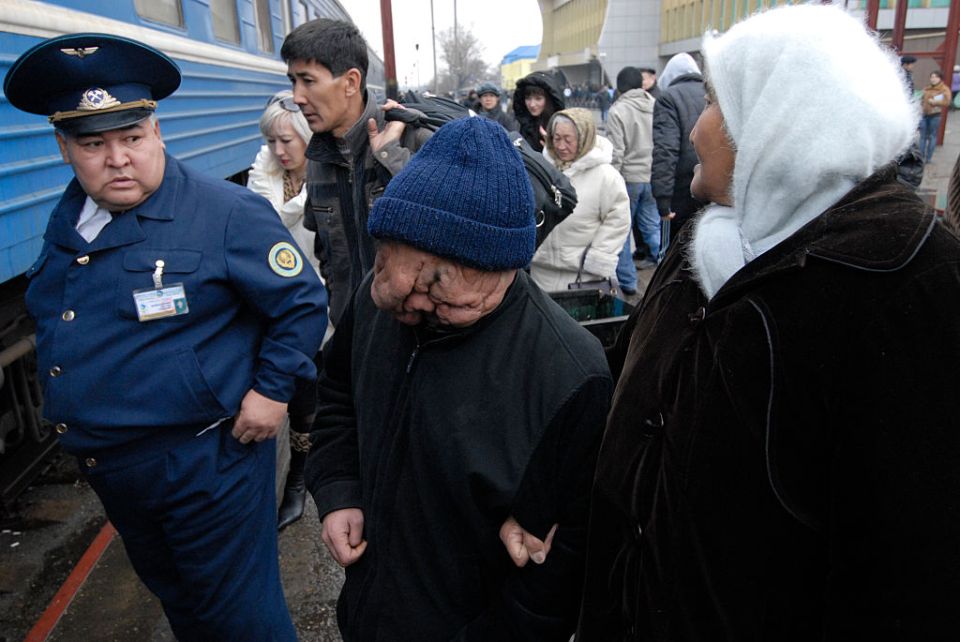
(252, 323)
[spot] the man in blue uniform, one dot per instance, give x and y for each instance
(173, 318)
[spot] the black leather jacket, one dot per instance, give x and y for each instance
(338, 203)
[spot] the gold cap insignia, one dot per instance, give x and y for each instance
(95, 99)
(80, 52)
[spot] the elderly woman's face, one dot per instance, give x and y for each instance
(287, 146)
(416, 286)
(565, 142)
(713, 177)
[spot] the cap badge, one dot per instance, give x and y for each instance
(80, 52)
(96, 98)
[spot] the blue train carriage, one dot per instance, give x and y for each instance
(229, 52)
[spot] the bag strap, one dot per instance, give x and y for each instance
(583, 259)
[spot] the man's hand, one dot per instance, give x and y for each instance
(391, 131)
(522, 546)
(343, 535)
(259, 418)
(669, 217)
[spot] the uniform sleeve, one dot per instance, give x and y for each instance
(540, 602)
(667, 132)
(273, 278)
(333, 465)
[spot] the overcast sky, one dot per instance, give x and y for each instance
(500, 25)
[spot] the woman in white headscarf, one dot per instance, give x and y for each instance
(780, 461)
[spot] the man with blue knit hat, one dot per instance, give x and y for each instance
(460, 409)
(173, 319)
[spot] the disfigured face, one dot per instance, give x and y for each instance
(287, 146)
(489, 101)
(118, 169)
(419, 287)
(327, 102)
(713, 177)
(535, 104)
(565, 143)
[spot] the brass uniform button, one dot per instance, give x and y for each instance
(69, 315)
(83, 260)
(56, 371)
(90, 462)
(61, 428)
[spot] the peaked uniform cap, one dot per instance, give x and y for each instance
(91, 82)
(465, 196)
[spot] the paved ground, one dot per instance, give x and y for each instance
(937, 173)
(57, 520)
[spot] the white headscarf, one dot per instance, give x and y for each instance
(680, 65)
(814, 105)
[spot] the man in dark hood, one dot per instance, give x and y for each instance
(681, 101)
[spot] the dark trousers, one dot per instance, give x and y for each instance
(199, 522)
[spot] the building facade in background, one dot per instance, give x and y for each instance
(592, 40)
(517, 64)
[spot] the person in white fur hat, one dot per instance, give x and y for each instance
(781, 458)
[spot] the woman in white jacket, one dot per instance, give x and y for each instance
(278, 174)
(279, 171)
(588, 242)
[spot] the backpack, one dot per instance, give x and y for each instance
(553, 194)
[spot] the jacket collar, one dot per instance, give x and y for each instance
(324, 147)
(125, 228)
(879, 226)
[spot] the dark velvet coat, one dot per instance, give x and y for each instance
(782, 462)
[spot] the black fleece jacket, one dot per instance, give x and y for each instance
(439, 437)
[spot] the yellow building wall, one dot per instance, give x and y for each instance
(685, 19)
(514, 71)
(572, 27)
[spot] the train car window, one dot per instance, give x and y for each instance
(264, 28)
(225, 24)
(168, 12)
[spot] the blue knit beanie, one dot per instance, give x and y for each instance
(464, 196)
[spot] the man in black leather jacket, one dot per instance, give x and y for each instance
(353, 152)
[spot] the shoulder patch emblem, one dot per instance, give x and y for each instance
(285, 260)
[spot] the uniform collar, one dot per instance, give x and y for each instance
(125, 228)
(879, 226)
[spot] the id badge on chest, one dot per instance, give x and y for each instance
(167, 301)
